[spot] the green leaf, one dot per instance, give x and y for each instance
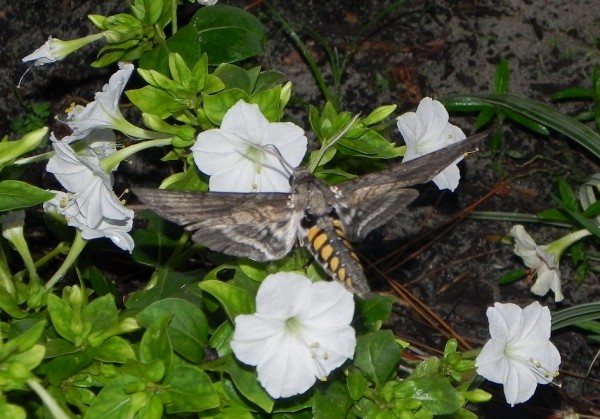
(234, 77)
(357, 384)
(574, 315)
(61, 315)
(113, 401)
(536, 111)
(435, 393)
(9, 305)
(377, 355)
(372, 312)
(526, 122)
(221, 25)
(155, 101)
(100, 284)
(573, 93)
(379, 114)
(234, 300)
(12, 150)
(168, 284)
(189, 390)
(501, 77)
(155, 344)
(370, 144)
(512, 276)
(57, 347)
(101, 314)
(334, 402)
(154, 243)
(187, 329)
(152, 371)
(23, 341)
(567, 195)
(113, 349)
(62, 367)
(246, 382)
(15, 194)
(218, 104)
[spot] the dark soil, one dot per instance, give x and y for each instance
(426, 49)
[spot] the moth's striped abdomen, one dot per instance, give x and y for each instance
(324, 237)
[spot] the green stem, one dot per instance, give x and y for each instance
(34, 159)
(128, 128)
(174, 16)
(48, 400)
(109, 163)
(181, 243)
(6, 280)
(516, 218)
(330, 143)
(306, 54)
(76, 248)
(62, 248)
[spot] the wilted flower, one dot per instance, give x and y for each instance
(544, 260)
(92, 205)
(300, 332)
(56, 50)
(428, 130)
(245, 154)
(519, 354)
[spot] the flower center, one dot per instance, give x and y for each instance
(295, 327)
(533, 365)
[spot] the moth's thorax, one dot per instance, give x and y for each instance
(312, 194)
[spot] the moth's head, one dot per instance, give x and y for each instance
(300, 176)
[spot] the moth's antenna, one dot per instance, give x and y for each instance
(270, 149)
(331, 143)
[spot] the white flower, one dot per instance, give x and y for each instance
(104, 112)
(244, 155)
(541, 262)
(428, 130)
(93, 206)
(519, 354)
(207, 2)
(56, 50)
(301, 331)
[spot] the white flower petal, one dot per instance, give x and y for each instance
(519, 354)
(544, 264)
(92, 207)
(104, 111)
(448, 178)
(428, 130)
(243, 155)
(216, 150)
(300, 332)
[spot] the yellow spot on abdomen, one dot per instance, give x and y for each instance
(342, 274)
(317, 239)
(334, 263)
(326, 253)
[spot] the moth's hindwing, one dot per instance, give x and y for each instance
(261, 227)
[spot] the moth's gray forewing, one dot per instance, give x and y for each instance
(417, 171)
(261, 227)
(370, 201)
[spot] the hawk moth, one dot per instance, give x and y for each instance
(323, 218)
